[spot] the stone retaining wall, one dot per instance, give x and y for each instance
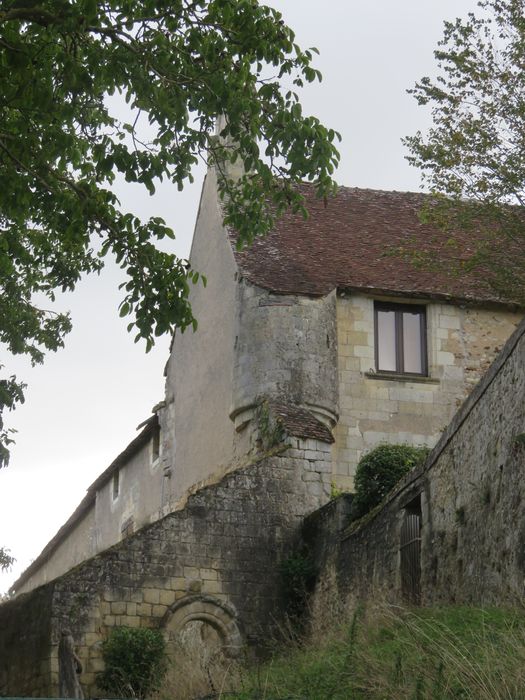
(471, 493)
(25, 644)
(216, 559)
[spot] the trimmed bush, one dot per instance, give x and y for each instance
(135, 662)
(379, 471)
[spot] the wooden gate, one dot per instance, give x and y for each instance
(411, 556)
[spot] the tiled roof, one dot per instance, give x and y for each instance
(345, 244)
(299, 422)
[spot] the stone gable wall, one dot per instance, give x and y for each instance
(199, 370)
(472, 494)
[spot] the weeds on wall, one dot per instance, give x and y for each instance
(135, 662)
(336, 491)
(271, 431)
(379, 471)
(298, 576)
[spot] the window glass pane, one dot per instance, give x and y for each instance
(412, 341)
(386, 341)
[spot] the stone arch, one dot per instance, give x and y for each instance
(202, 608)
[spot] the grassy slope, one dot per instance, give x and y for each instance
(393, 654)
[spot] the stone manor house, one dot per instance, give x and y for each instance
(313, 346)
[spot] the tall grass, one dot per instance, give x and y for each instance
(396, 654)
(193, 675)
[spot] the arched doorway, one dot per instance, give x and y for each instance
(206, 618)
(203, 639)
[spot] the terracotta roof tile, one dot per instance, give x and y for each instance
(345, 244)
(299, 422)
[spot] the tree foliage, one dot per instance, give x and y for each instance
(178, 64)
(379, 471)
(6, 560)
(474, 155)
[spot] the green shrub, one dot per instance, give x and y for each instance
(379, 471)
(135, 662)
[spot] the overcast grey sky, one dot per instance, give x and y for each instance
(84, 403)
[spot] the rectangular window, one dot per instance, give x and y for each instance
(400, 338)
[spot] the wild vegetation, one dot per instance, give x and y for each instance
(447, 653)
(66, 70)
(379, 471)
(473, 157)
(135, 662)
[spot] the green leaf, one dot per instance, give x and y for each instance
(63, 142)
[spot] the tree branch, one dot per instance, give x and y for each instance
(29, 14)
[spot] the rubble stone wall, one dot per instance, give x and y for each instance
(221, 552)
(25, 644)
(285, 348)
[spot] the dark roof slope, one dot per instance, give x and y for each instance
(345, 244)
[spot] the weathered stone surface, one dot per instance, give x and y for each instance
(25, 644)
(225, 545)
(461, 344)
(286, 349)
(472, 496)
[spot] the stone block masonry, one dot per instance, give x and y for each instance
(469, 498)
(461, 344)
(216, 559)
(285, 348)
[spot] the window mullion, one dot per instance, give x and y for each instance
(400, 364)
(423, 340)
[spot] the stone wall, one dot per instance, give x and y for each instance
(471, 493)
(25, 644)
(139, 499)
(103, 519)
(461, 342)
(80, 544)
(216, 559)
(286, 348)
(199, 370)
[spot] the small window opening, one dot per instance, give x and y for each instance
(410, 550)
(116, 484)
(155, 446)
